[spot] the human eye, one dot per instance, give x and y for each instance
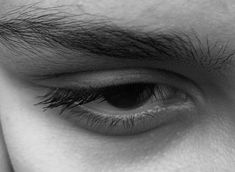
(122, 102)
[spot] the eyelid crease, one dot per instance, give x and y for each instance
(101, 79)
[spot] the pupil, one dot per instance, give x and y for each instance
(128, 96)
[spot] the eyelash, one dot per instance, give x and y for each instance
(69, 99)
(72, 100)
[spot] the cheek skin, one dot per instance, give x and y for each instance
(4, 159)
(40, 141)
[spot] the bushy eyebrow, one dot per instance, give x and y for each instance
(52, 28)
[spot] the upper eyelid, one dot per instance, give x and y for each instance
(109, 77)
(116, 77)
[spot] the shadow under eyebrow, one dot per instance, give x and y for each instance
(53, 29)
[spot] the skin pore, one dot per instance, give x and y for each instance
(42, 141)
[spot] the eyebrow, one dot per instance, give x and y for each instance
(51, 28)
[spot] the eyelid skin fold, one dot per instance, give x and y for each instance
(99, 79)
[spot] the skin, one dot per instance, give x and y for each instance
(38, 141)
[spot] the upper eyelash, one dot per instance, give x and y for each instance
(68, 98)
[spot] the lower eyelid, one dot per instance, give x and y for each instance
(128, 124)
(156, 109)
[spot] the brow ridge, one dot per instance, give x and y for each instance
(52, 28)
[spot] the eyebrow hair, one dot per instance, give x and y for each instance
(52, 28)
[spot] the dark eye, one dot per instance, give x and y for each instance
(132, 96)
(128, 96)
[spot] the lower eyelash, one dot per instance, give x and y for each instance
(125, 124)
(106, 123)
(93, 120)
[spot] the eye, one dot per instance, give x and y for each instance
(124, 109)
(134, 108)
(132, 97)
(122, 102)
